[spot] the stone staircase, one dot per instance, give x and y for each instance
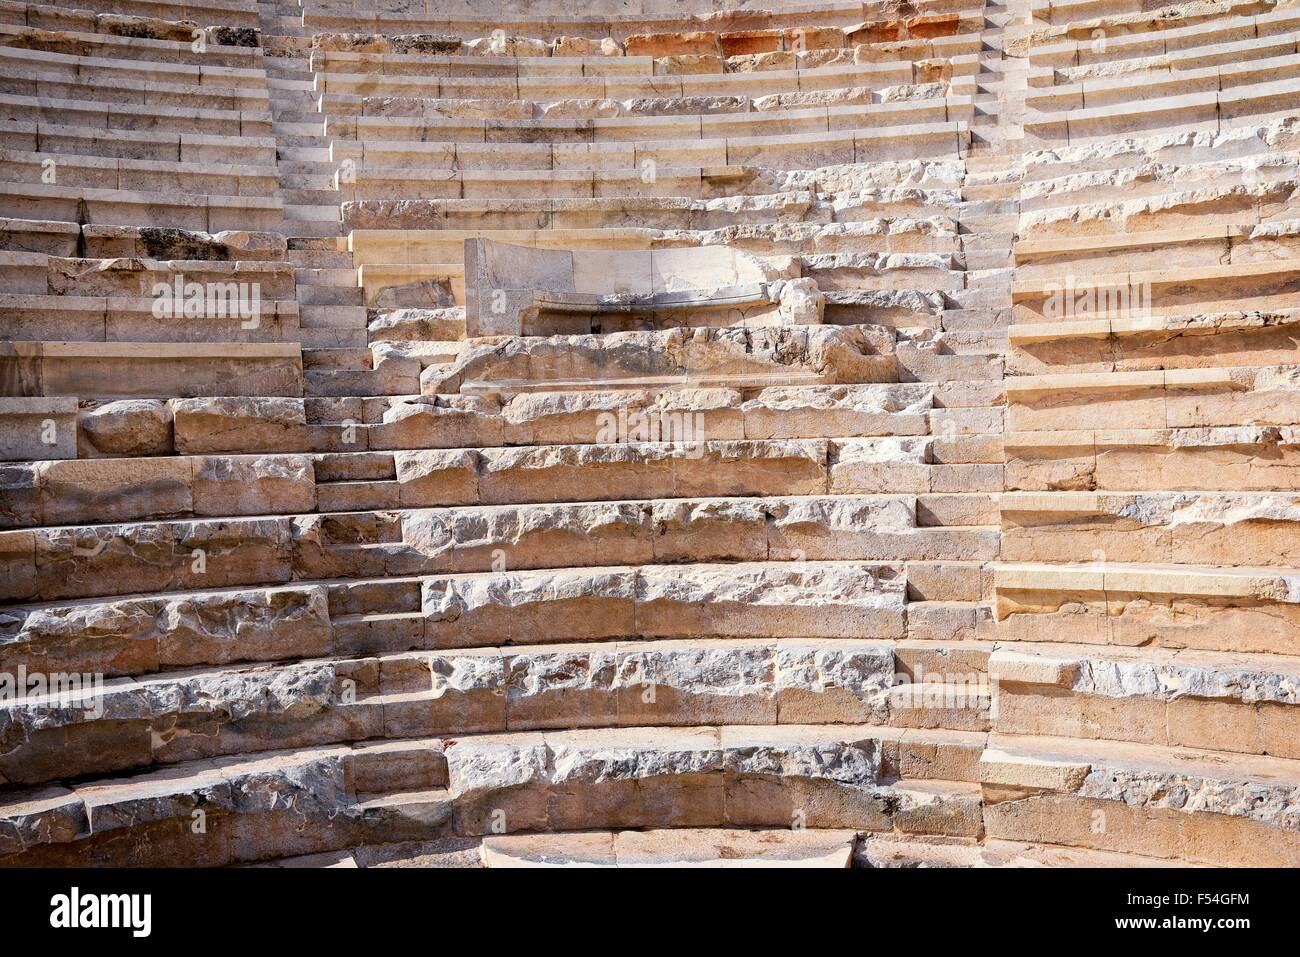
(900, 470)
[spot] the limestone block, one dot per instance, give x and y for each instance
(239, 423)
(707, 530)
(834, 354)
(874, 31)
(613, 777)
(582, 46)
(51, 815)
(222, 627)
(547, 473)
(478, 539)
(769, 601)
(114, 559)
(880, 465)
(438, 476)
(129, 427)
(253, 484)
(672, 44)
(418, 324)
(528, 607)
(113, 639)
(821, 683)
(784, 412)
(36, 428)
(140, 635)
(74, 491)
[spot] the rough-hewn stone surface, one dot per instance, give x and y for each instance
(788, 435)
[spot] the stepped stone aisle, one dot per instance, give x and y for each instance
(649, 432)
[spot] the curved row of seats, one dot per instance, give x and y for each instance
(884, 532)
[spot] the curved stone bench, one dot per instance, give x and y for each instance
(148, 92)
(141, 559)
(1148, 85)
(109, 68)
(616, 23)
(249, 424)
(674, 462)
(1208, 528)
(1233, 57)
(136, 208)
(1222, 339)
(1240, 458)
(836, 353)
(1177, 605)
(459, 85)
(1160, 41)
(102, 172)
(776, 125)
(237, 13)
(1197, 397)
(381, 183)
(1262, 285)
(135, 144)
(1212, 110)
(927, 141)
(71, 318)
(884, 234)
(134, 48)
(130, 116)
(152, 370)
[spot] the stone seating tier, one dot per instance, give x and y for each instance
(785, 419)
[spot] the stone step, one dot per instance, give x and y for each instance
(635, 210)
(593, 534)
(325, 359)
(320, 294)
(316, 811)
(894, 412)
(679, 847)
(201, 213)
(1050, 790)
(340, 276)
(243, 709)
(683, 468)
(152, 369)
(1207, 34)
(911, 852)
(651, 28)
(236, 317)
(931, 141)
(443, 181)
(148, 175)
(304, 154)
(951, 570)
(108, 46)
(37, 109)
(1201, 699)
(1230, 609)
(318, 194)
(639, 363)
(1195, 397)
(1205, 528)
(716, 772)
(459, 109)
(331, 262)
